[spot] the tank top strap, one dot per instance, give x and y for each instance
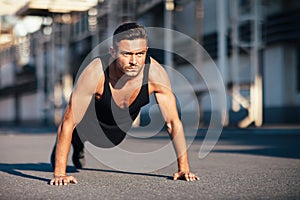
(146, 69)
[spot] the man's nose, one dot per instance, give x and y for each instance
(133, 59)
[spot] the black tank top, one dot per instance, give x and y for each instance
(116, 121)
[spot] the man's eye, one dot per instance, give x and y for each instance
(126, 54)
(140, 54)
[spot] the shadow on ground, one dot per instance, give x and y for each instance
(130, 173)
(283, 145)
(16, 168)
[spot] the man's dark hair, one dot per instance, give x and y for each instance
(129, 31)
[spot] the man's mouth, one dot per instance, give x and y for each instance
(131, 69)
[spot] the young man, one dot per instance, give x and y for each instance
(123, 87)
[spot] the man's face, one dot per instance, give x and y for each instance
(130, 56)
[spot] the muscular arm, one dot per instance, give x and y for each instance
(167, 103)
(79, 101)
(64, 137)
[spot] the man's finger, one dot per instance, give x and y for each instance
(60, 181)
(187, 177)
(191, 177)
(65, 181)
(195, 177)
(175, 176)
(73, 180)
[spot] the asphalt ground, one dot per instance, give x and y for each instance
(245, 164)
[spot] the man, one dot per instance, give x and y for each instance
(119, 91)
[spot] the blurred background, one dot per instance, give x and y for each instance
(255, 44)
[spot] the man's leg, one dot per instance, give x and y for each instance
(52, 158)
(78, 152)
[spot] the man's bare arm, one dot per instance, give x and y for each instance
(167, 104)
(64, 137)
(79, 101)
(175, 129)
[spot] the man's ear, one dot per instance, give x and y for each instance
(112, 52)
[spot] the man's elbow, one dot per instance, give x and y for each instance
(174, 126)
(65, 127)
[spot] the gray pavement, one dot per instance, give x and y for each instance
(245, 164)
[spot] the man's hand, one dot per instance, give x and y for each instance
(63, 180)
(188, 176)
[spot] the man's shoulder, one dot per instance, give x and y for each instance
(92, 71)
(103, 58)
(95, 65)
(155, 66)
(157, 73)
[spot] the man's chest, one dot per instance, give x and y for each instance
(124, 96)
